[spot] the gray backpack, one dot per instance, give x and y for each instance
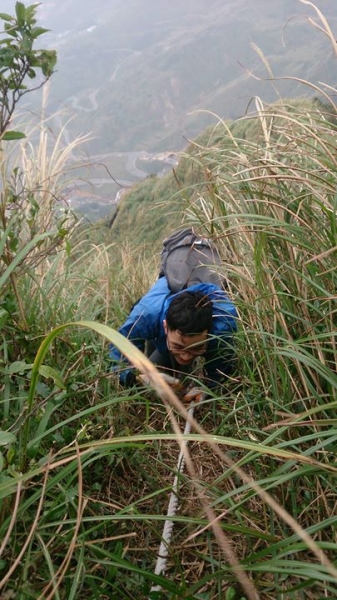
(188, 259)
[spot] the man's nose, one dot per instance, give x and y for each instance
(186, 354)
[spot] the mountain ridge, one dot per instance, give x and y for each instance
(134, 75)
(150, 77)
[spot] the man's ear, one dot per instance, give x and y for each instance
(165, 326)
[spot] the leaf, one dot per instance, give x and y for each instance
(5, 42)
(7, 56)
(13, 135)
(18, 366)
(231, 594)
(11, 30)
(48, 411)
(47, 62)
(36, 31)
(3, 317)
(6, 438)
(30, 13)
(6, 17)
(8, 486)
(19, 257)
(43, 390)
(49, 372)
(20, 10)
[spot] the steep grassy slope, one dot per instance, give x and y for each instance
(87, 467)
(155, 206)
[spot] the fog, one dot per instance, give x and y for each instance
(146, 74)
(149, 75)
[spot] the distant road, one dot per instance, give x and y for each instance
(77, 101)
(74, 102)
(131, 166)
(130, 159)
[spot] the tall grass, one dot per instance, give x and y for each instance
(271, 203)
(87, 468)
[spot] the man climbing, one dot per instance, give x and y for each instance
(177, 329)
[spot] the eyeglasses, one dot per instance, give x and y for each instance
(196, 351)
(182, 350)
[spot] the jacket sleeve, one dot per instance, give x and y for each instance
(220, 357)
(219, 360)
(137, 328)
(141, 325)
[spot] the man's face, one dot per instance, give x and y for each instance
(185, 348)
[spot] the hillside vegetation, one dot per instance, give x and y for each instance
(86, 468)
(154, 207)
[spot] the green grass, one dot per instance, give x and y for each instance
(86, 468)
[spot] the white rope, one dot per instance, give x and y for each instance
(172, 507)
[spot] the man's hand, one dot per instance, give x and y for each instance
(173, 382)
(195, 394)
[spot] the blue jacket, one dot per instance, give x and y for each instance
(145, 322)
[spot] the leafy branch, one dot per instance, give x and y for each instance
(19, 61)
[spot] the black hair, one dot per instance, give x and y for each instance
(190, 313)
